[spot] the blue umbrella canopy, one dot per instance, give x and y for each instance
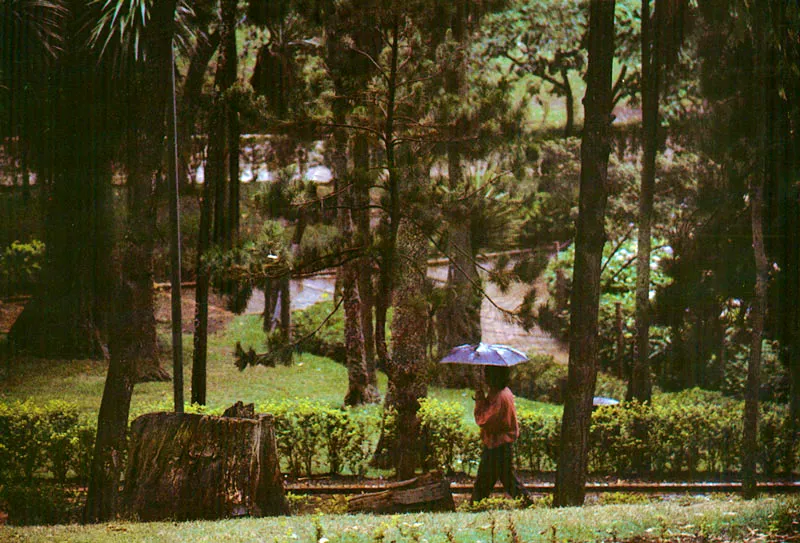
(482, 354)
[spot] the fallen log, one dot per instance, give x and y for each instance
(429, 492)
(189, 466)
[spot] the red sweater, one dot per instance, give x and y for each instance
(497, 417)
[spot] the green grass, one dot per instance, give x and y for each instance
(310, 377)
(729, 519)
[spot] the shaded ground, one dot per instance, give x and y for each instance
(218, 316)
(9, 311)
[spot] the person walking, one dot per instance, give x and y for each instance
(496, 416)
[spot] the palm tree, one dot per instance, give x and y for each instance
(135, 37)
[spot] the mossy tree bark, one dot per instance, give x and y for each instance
(407, 367)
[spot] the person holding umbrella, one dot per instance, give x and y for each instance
(496, 416)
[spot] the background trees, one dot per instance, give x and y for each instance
(438, 134)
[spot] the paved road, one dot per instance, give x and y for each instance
(495, 326)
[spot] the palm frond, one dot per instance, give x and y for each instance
(122, 28)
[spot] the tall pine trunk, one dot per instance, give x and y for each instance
(757, 311)
(356, 361)
(144, 160)
(762, 85)
(406, 370)
(214, 172)
(390, 222)
(212, 214)
(590, 238)
(639, 386)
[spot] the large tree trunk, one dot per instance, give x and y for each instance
(144, 162)
(407, 371)
(187, 466)
(590, 238)
(102, 502)
(66, 317)
(639, 386)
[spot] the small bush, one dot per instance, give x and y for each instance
(538, 437)
(46, 440)
(312, 436)
(442, 432)
(328, 340)
(545, 380)
(20, 267)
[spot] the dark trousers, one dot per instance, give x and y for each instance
(498, 463)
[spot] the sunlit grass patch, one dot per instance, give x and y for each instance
(728, 519)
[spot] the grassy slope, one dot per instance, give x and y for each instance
(728, 519)
(311, 377)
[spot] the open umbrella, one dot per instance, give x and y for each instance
(482, 354)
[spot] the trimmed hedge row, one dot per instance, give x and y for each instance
(682, 434)
(315, 438)
(44, 441)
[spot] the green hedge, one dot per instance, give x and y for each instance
(315, 438)
(689, 433)
(46, 441)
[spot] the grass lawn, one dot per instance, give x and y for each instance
(701, 519)
(310, 377)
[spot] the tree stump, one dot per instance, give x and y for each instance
(429, 492)
(188, 466)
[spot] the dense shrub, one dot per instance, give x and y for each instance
(311, 435)
(41, 446)
(442, 434)
(42, 503)
(46, 440)
(537, 447)
(545, 380)
(618, 285)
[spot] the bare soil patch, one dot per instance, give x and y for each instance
(218, 316)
